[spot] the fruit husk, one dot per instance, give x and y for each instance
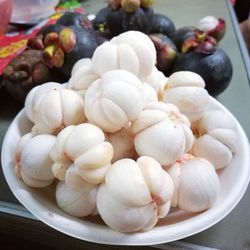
(26, 71)
(70, 39)
(119, 21)
(100, 22)
(215, 68)
(162, 24)
(166, 52)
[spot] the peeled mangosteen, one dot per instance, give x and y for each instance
(166, 52)
(181, 35)
(215, 68)
(162, 24)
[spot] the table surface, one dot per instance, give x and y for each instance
(233, 232)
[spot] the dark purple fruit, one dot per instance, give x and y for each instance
(182, 34)
(162, 24)
(100, 21)
(74, 19)
(75, 44)
(50, 28)
(166, 52)
(70, 39)
(119, 21)
(101, 37)
(215, 68)
(27, 71)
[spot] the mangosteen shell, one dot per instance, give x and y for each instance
(161, 43)
(119, 21)
(181, 35)
(75, 19)
(86, 44)
(162, 24)
(51, 28)
(216, 69)
(101, 19)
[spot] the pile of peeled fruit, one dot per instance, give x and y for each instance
(123, 142)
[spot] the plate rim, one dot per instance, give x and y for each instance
(156, 238)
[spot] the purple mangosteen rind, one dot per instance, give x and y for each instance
(182, 34)
(163, 25)
(216, 68)
(219, 31)
(119, 21)
(26, 71)
(166, 52)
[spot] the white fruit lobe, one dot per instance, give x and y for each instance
(185, 89)
(132, 51)
(114, 100)
(135, 195)
(78, 203)
(217, 138)
(196, 184)
(85, 146)
(58, 108)
(162, 133)
(34, 160)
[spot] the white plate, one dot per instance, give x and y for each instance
(177, 225)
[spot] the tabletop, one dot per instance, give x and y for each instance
(233, 232)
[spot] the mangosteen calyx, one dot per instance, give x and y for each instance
(26, 71)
